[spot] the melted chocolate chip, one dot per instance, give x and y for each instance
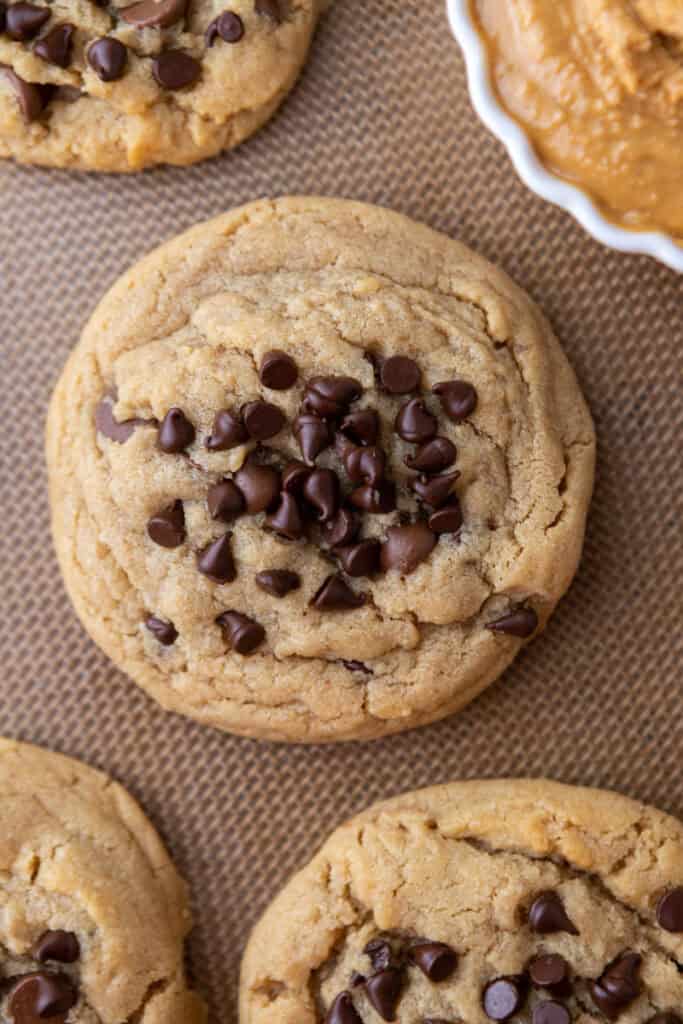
(174, 69)
(228, 431)
(550, 1013)
(547, 915)
(336, 595)
(502, 998)
(241, 633)
(520, 622)
(343, 529)
(216, 561)
(619, 985)
(263, 420)
(32, 99)
(55, 47)
(39, 995)
(380, 953)
(111, 428)
(447, 519)
(406, 547)
(458, 399)
(108, 58)
(365, 465)
(167, 528)
(360, 559)
(551, 971)
(670, 910)
(164, 632)
(278, 582)
(294, 476)
(313, 435)
(321, 491)
(176, 432)
(154, 13)
(342, 1011)
(361, 427)
(400, 375)
(436, 960)
(435, 490)
(277, 370)
(378, 500)
(415, 423)
(225, 501)
(286, 519)
(260, 486)
(23, 21)
(57, 945)
(433, 457)
(384, 991)
(329, 397)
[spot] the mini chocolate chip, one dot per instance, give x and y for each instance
(260, 486)
(312, 434)
(269, 9)
(550, 1013)
(547, 915)
(108, 58)
(329, 397)
(286, 519)
(435, 490)
(343, 529)
(278, 582)
(342, 1011)
(361, 426)
(360, 559)
(113, 429)
(23, 21)
(321, 490)
(415, 422)
(502, 998)
(37, 995)
(365, 465)
(670, 910)
(400, 375)
(379, 500)
(55, 47)
(225, 501)
(447, 519)
(458, 399)
(154, 13)
(336, 595)
(263, 420)
(406, 547)
(294, 476)
(216, 561)
(619, 985)
(174, 69)
(380, 953)
(167, 528)
(384, 991)
(240, 632)
(175, 432)
(551, 971)
(433, 457)
(164, 632)
(32, 100)
(228, 431)
(57, 945)
(277, 370)
(521, 622)
(436, 960)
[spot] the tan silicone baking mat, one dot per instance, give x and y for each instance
(381, 114)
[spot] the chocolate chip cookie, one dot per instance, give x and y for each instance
(115, 85)
(93, 912)
(317, 472)
(522, 901)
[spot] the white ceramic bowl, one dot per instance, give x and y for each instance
(528, 166)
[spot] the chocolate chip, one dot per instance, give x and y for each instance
(336, 595)
(521, 622)
(365, 465)
(269, 9)
(174, 69)
(414, 422)
(458, 399)
(343, 529)
(240, 632)
(32, 100)
(619, 985)
(216, 561)
(278, 582)
(447, 519)
(547, 915)
(167, 528)
(433, 457)
(228, 26)
(108, 58)
(111, 428)
(277, 370)
(502, 998)
(379, 500)
(384, 991)
(357, 979)
(176, 432)
(55, 47)
(312, 434)
(356, 666)
(225, 501)
(154, 13)
(670, 910)
(380, 953)
(228, 431)
(329, 397)
(23, 21)
(260, 486)
(38, 995)
(343, 1011)
(321, 490)
(286, 519)
(361, 426)
(406, 547)
(263, 420)
(435, 490)
(3, 16)
(436, 960)
(550, 1013)
(400, 375)
(65, 93)
(360, 559)
(164, 632)
(57, 945)
(551, 971)
(294, 476)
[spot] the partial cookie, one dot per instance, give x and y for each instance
(317, 472)
(474, 902)
(114, 85)
(92, 912)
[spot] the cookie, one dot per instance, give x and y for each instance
(317, 472)
(524, 901)
(115, 85)
(93, 914)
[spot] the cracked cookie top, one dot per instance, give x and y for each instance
(112, 85)
(92, 912)
(522, 901)
(317, 472)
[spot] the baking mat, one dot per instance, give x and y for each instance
(381, 114)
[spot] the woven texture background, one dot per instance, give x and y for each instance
(381, 114)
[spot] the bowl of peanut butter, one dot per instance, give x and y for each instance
(587, 96)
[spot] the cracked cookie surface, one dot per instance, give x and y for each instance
(294, 374)
(111, 85)
(92, 912)
(500, 900)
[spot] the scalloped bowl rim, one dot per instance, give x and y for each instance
(531, 171)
